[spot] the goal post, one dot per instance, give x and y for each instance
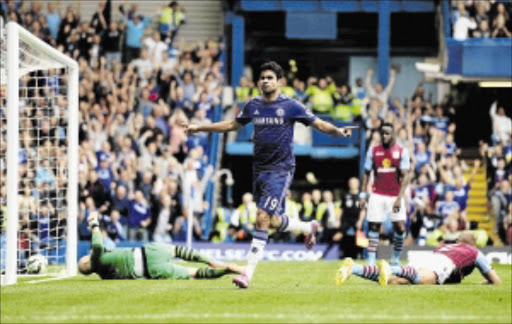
(50, 104)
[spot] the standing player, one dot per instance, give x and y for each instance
(390, 164)
(449, 264)
(273, 115)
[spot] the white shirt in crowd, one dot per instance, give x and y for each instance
(155, 50)
(501, 125)
(142, 65)
(462, 26)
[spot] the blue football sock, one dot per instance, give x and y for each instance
(357, 270)
(408, 272)
(372, 247)
(370, 272)
(398, 245)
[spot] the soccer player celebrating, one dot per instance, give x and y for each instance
(390, 164)
(153, 261)
(450, 264)
(273, 115)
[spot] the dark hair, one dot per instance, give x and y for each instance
(387, 124)
(274, 67)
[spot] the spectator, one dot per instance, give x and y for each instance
(120, 202)
(381, 95)
(481, 13)
(501, 124)
(111, 44)
(351, 220)
(156, 48)
(448, 208)
(500, 28)
(343, 104)
(164, 221)
(101, 19)
(134, 31)
(243, 219)
(143, 65)
(139, 218)
(114, 227)
(320, 97)
(242, 92)
(500, 203)
(105, 173)
(462, 26)
(188, 85)
(483, 30)
(329, 216)
(171, 19)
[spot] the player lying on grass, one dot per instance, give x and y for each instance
(449, 263)
(153, 261)
(273, 115)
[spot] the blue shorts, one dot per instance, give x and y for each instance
(269, 189)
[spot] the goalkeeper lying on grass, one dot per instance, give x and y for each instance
(152, 261)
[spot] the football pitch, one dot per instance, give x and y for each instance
(280, 292)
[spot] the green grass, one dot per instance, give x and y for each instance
(279, 292)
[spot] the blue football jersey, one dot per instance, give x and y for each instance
(273, 130)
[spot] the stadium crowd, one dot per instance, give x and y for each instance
(438, 192)
(138, 85)
(481, 19)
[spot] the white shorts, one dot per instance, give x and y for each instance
(438, 263)
(379, 206)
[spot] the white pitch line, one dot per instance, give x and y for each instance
(46, 279)
(275, 316)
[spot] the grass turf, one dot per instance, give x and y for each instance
(279, 292)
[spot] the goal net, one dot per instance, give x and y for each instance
(38, 156)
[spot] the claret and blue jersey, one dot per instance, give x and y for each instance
(273, 161)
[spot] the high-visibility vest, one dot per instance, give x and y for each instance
(167, 15)
(242, 94)
(247, 217)
(481, 237)
(433, 239)
(357, 107)
(322, 100)
(255, 92)
(342, 112)
(289, 91)
(221, 227)
(308, 210)
(322, 208)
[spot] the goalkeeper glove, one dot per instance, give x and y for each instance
(93, 220)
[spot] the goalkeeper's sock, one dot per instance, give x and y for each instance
(370, 272)
(408, 272)
(190, 255)
(372, 246)
(294, 225)
(398, 245)
(210, 273)
(259, 240)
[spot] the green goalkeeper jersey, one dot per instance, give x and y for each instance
(111, 264)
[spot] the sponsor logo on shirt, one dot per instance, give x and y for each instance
(268, 121)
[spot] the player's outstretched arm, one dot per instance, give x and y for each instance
(492, 277)
(220, 127)
(97, 239)
(330, 129)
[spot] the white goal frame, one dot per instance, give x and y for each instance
(15, 33)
